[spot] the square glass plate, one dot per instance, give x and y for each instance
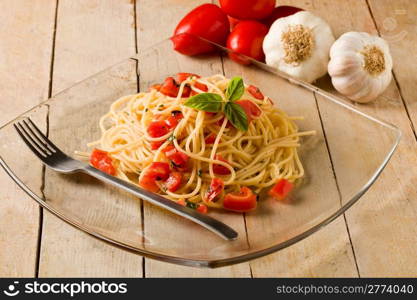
(341, 163)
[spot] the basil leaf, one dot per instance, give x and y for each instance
(235, 89)
(236, 115)
(205, 101)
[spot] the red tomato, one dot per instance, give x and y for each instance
(155, 145)
(251, 109)
(281, 190)
(178, 158)
(173, 182)
(247, 39)
(280, 12)
(210, 139)
(242, 201)
(174, 119)
(219, 169)
(202, 208)
(233, 22)
(101, 160)
(255, 92)
(215, 189)
(186, 92)
(183, 76)
(207, 21)
(154, 172)
(248, 9)
(157, 129)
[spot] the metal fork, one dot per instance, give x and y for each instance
(57, 160)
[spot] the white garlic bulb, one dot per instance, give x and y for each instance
(360, 66)
(299, 45)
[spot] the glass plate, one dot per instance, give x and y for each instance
(341, 163)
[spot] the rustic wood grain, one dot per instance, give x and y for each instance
(383, 223)
(90, 35)
(396, 22)
(156, 221)
(24, 77)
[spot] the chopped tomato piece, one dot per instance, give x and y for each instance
(215, 189)
(156, 144)
(173, 182)
(183, 76)
(202, 208)
(156, 87)
(242, 201)
(181, 202)
(171, 122)
(186, 92)
(281, 189)
(210, 139)
(101, 160)
(154, 172)
(158, 129)
(251, 109)
(169, 87)
(255, 92)
(178, 158)
(177, 114)
(220, 123)
(193, 93)
(201, 86)
(219, 169)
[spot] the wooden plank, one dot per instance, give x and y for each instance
(24, 77)
(90, 36)
(157, 223)
(396, 22)
(384, 220)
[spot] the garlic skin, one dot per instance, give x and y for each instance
(315, 41)
(360, 66)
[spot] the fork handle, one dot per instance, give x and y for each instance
(208, 222)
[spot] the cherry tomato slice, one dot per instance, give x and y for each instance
(215, 189)
(281, 189)
(219, 169)
(251, 109)
(184, 76)
(242, 201)
(202, 209)
(154, 172)
(156, 144)
(255, 92)
(169, 87)
(173, 182)
(157, 129)
(210, 139)
(178, 158)
(201, 86)
(101, 160)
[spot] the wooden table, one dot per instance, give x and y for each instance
(46, 46)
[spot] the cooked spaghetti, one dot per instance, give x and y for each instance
(198, 146)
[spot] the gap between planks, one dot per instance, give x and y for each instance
(42, 189)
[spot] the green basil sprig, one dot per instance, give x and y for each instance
(211, 102)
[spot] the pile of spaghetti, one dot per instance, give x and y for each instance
(201, 141)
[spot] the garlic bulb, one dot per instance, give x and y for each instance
(360, 66)
(299, 46)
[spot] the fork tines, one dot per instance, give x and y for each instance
(34, 138)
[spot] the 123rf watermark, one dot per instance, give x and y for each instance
(72, 289)
(366, 289)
